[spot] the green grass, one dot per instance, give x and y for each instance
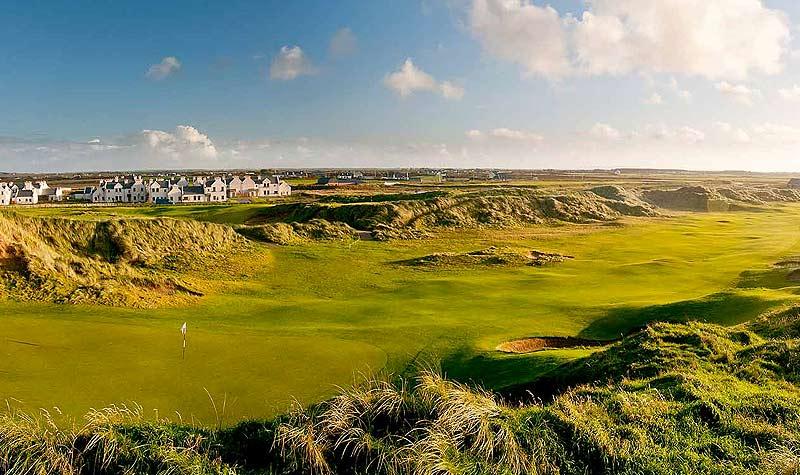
(295, 321)
(690, 399)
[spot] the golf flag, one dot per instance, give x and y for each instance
(183, 332)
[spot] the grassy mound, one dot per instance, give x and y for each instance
(492, 256)
(700, 198)
(688, 198)
(673, 399)
(122, 262)
(497, 208)
(294, 233)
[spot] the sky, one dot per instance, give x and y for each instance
(692, 84)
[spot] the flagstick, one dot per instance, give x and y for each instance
(183, 332)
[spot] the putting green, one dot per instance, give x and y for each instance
(298, 320)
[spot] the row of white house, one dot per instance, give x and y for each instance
(29, 193)
(181, 190)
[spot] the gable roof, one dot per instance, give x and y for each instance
(194, 190)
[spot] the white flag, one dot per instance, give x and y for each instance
(183, 329)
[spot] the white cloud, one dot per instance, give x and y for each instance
(716, 39)
(604, 132)
(654, 100)
(731, 133)
(710, 38)
(290, 63)
(523, 33)
(186, 143)
(690, 135)
(451, 91)
(503, 134)
(779, 133)
(684, 94)
(167, 67)
(343, 43)
(791, 94)
(512, 134)
(410, 79)
(740, 93)
(662, 133)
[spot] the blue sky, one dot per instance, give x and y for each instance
(491, 83)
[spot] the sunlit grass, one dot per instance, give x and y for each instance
(295, 321)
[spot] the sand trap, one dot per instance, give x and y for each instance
(534, 344)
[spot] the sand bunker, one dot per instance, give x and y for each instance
(534, 344)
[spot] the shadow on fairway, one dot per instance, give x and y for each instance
(725, 308)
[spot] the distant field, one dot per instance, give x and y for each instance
(300, 319)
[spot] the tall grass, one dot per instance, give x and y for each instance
(116, 262)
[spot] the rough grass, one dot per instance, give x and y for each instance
(500, 207)
(296, 233)
(491, 256)
(687, 398)
(118, 262)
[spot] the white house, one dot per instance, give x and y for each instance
(272, 185)
(51, 194)
(193, 194)
(6, 194)
(175, 194)
(135, 190)
(109, 192)
(159, 191)
(216, 190)
(26, 197)
(234, 184)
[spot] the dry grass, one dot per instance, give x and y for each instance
(122, 262)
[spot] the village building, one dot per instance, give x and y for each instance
(6, 194)
(83, 195)
(51, 194)
(234, 184)
(174, 194)
(135, 190)
(193, 194)
(216, 190)
(26, 197)
(159, 190)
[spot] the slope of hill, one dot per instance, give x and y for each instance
(133, 262)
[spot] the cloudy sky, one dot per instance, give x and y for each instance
(696, 84)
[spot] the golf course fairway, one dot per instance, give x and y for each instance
(293, 322)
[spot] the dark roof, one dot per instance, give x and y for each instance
(193, 190)
(88, 190)
(25, 193)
